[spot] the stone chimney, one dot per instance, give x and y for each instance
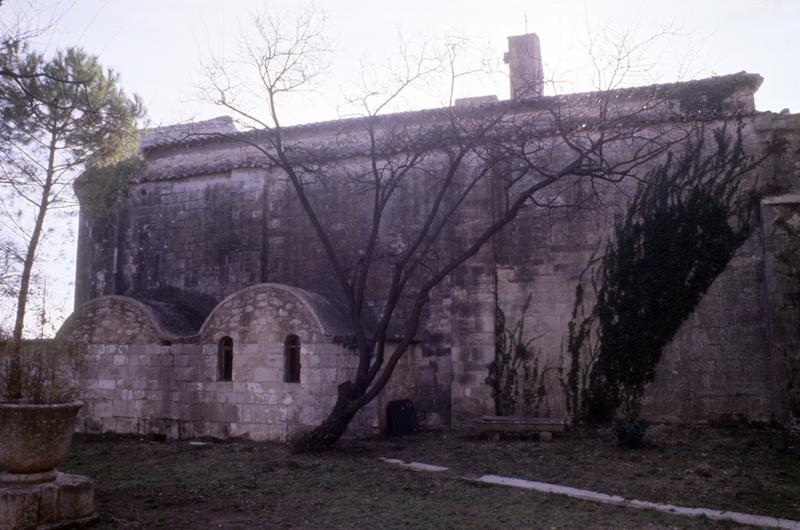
(524, 60)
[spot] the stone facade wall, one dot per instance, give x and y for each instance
(140, 382)
(717, 364)
(739, 353)
(206, 219)
(200, 235)
(782, 291)
(540, 259)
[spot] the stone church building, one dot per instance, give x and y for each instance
(206, 307)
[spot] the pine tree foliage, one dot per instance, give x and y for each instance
(58, 117)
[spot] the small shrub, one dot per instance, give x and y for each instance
(39, 373)
(580, 351)
(631, 431)
(511, 358)
(515, 376)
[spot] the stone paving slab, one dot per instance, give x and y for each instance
(616, 500)
(588, 495)
(416, 466)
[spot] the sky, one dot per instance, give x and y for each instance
(159, 48)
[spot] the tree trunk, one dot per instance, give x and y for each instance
(27, 271)
(15, 382)
(327, 433)
(33, 244)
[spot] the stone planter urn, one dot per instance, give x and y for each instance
(34, 439)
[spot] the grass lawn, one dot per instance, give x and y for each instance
(147, 484)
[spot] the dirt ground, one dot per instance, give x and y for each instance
(143, 483)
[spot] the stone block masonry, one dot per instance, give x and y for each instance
(67, 501)
(212, 242)
(176, 388)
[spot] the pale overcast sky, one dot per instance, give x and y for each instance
(158, 47)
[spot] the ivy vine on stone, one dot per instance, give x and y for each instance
(679, 232)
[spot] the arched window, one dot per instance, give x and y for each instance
(225, 359)
(291, 359)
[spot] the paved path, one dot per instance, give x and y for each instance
(616, 500)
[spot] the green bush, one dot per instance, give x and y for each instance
(680, 231)
(631, 431)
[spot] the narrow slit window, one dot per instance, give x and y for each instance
(225, 359)
(291, 359)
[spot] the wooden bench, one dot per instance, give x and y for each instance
(497, 425)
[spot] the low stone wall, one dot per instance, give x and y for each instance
(172, 390)
(139, 381)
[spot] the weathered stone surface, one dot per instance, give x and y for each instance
(68, 500)
(35, 438)
(175, 389)
(211, 236)
(76, 496)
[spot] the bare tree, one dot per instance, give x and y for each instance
(525, 152)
